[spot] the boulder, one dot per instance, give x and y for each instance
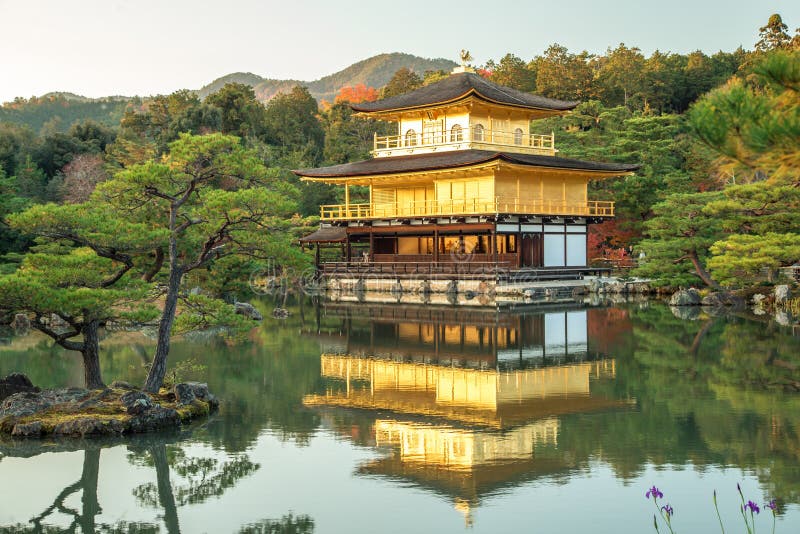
(186, 392)
(27, 430)
(21, 323)
(156, 418)
(29, 403)
(248, 310)
(84, 426)
(595, 285)
(16, 383)
(782, 294)
(723, 299)
(758, 299)
(121, 384)
(137, 402)
(685, 297)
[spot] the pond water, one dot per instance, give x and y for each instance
(351, 418)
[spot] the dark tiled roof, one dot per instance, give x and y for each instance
(457, 86)
(326, 234)
(455, 158)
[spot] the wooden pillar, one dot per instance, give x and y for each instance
(371, 245)
(348, 248)
(347, 200)
(436, 245)
(519, 249)
(493, 245)
(316, 257)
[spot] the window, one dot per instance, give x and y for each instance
(478, 135)
(506, 243)
(432, 132)
(411, 138)
(518, 136)
(456, 134)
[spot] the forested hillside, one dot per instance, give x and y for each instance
(58, 111)
(717, 138)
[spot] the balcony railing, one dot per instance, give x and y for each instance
(434, 208)
(473, 136)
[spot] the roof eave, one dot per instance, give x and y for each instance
(472, 92)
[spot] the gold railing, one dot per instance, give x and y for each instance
(432, 208)
(540, 143)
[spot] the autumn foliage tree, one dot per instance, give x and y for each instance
(355, 94)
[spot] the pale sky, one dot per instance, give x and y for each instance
(142, 47)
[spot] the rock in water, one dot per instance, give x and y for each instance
(186, 392)
(685, 297)
(27, 430)
(723, 298)
(782, 294)
(16, 383)
(280, 313)
(248, 310)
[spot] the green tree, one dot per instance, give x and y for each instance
(742, 259)
(621, 75)
(513, 72)
(292, 125)
(774, 35)
(76, 287)
(241, 113)
(560, 74)
(148, 130)
(403, 81)
(10, 202)
(678, 238)
(93, 136)
(182, 196)
(31, 181)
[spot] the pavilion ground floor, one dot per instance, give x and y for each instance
(556, 247)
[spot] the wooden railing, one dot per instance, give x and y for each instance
(433, 208)
(537, 143)
(394, 268)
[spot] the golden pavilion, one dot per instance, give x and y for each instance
(464, 180)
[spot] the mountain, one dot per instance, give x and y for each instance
(59, 110)
(374, 72)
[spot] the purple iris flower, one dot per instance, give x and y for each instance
(753, 507)
(772, 505)
(655, 492)
(668, 509)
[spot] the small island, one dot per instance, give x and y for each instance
(118, 409)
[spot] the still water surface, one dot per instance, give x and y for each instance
(403, 419)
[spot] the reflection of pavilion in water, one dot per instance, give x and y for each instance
(463, 337)
(470, 404)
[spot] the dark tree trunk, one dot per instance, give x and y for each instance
(90, 351)
(90, 504)
(158, 368)
(704, 275)
(165, 495)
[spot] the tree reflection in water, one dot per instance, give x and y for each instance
(197, 479)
